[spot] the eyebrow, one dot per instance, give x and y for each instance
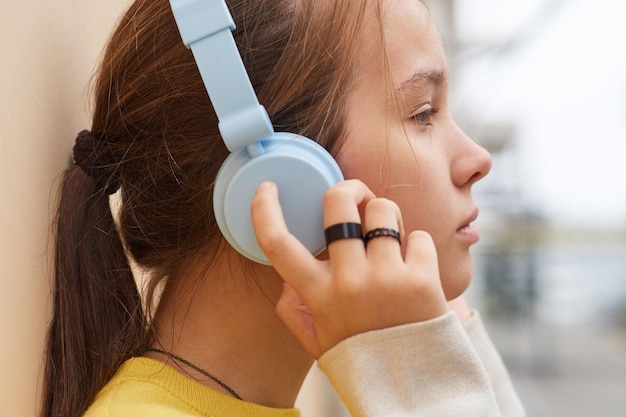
(419, 80)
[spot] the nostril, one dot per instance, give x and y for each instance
(477, 176)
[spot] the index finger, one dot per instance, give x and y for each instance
(291, 259)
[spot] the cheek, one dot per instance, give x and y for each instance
(418, 183)
(365, 161)
(420, 187)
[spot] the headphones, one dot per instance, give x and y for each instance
(302, 169)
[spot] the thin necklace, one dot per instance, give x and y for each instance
(197, 368)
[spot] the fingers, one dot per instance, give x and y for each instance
(421, 258)
(292, 260)
(341, 205)
(420, 252)
(384, 214)
(358, 289)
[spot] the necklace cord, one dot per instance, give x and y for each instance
(197, 368)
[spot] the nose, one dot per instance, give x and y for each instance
(471, 162)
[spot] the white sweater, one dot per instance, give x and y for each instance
(434, 368)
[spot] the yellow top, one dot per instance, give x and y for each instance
(145, 387)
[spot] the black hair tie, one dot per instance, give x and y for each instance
(97, 161)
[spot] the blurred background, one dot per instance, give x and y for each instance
(542, 85)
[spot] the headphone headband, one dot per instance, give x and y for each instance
(205, 27)
(302, 169)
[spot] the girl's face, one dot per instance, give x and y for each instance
(401, 139)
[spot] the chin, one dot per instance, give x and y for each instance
(455, 277)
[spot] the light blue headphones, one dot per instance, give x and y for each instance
(301, 168)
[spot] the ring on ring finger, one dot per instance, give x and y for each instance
(381, 232)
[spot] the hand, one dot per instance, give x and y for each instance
(358, 289)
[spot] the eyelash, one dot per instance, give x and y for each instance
(424, 118)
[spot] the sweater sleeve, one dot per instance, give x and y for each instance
(508, 401)
(424, 369)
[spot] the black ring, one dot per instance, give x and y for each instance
(343, 231)
(381, 232)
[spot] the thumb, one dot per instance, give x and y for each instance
(298, 319)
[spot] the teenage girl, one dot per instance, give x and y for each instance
(212, 333)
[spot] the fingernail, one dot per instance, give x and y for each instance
(265, 185)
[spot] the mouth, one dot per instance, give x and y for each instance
(467, 231)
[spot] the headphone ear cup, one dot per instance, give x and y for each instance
(303, 171)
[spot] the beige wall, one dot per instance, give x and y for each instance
(48, 50)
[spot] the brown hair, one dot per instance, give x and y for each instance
(153, 116)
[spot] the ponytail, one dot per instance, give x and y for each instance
(97, 320)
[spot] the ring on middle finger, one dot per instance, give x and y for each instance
(340, 231)
(381, 232)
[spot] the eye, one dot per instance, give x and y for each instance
(424, 115)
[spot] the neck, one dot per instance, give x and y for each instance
(223, 320)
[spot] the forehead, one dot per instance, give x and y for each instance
(400, 39)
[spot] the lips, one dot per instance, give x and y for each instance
(467, 231)
(470, 219)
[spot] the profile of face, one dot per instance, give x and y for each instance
(402, 142)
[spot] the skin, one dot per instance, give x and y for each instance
(410, 150)
(261, 335)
